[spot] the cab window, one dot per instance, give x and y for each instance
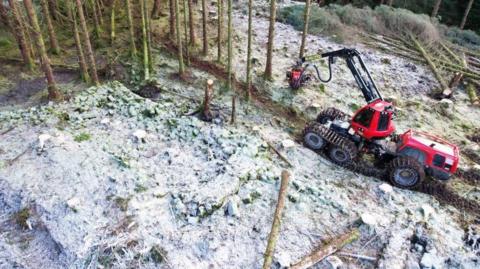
(364, 117)
(438, 160)
(383, 122)
(414, 153)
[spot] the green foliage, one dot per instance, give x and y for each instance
(21, 217)
(82, 137)
(460, 37)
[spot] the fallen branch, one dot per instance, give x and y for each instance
(277, 219)
(7, 131)
(327, 250)
(280, 155)
(361, 257)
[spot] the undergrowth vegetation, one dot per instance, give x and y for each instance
(342, 21)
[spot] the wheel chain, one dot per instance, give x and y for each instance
(333, 114)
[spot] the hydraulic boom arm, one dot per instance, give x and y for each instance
(361, 75)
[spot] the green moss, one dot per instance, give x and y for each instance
(82, 137)
(140, 188)
(21, 217)
(386, 61)
(354, 107)
(122, 203)
(157, 254)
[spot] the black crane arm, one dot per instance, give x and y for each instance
(362, 76)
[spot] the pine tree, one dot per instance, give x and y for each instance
(271, 35)
(204, 26)
(112, 22)
(436, 7)
(53, 92)
(230, 52)
(191, 21)
(78, 43)
(220, 30)
(172, 20)
(465, 15)
(305, 27)
(146, 65)
(181, 67)
(249, 50)
(157, 4)
(18, 31)
(55, 49)
(133, 48)
(96, 19)
(185, 25)
(88, 44)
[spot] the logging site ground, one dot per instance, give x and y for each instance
(127, 174)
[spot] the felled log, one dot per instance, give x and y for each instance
(472, 94)
(277, 219)
(455, 81)
(446, 91)
(321, 253)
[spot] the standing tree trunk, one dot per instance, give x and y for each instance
(185, 25)
(249, 51)
(465, 15)
(88, 44)
(172, 19)
(271, 35)
(436, 7)
(52, 6)
(4, 16)
(146, 71)
(96, 22)
(112, 22)
(306, 17)
(53, 92)
(204, 26)
(181, 67)
(51, 31)
(157, 5)
(18, 31)
(191, 17)
(230, 51)
(78, 43)
(149, 37)
(133, 48)
(390, 2)
(220, 30)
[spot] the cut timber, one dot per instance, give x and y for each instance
(472, 94)
(445, 90)
(327, 250)
(272, 239)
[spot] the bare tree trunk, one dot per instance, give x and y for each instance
(133, 48)
(234, 107)
(204, 26)
(436, 7)
(96, 16)
(249, 50)
(88, 45)
(24, 24)
(149, 37)
(271, 35)
(390, 2)
(18, 31)
(277, 220)
(185, 25)
(4, 16)
(172, 20)
(53, 92)
(99, 7)
(230, 51)
(465, 15)
(191, 17)
(112, 22)
(157, 4)
(220, 30)
(78, 43)
(306, 17)
(207, 113)
(146, 71)
(52, 6)
(181, 67)
(51, 31)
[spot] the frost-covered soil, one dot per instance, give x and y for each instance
(112, 179)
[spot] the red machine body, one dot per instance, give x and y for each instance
(374, 121)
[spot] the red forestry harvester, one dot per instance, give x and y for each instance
(408, 157)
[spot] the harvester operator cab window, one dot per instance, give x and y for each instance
(364, 117)
(383, 122)
(414, 153)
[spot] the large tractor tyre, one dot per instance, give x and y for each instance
(312, 137)
(406, 172)
(330, 114)
(342, 155)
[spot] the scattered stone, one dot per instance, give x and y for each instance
(427, 211)
(232, 208)
(431, 261)
(105, 121)
(368, 219)
(334, 262)
(74, 203)
(386, 188)
(140, 135)
(42, 139)
(287, 143)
